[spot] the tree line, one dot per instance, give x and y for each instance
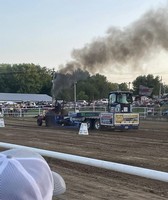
(25, 78)
(31, 78)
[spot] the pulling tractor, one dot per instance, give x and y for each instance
(119, 115)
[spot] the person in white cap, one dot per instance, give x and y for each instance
(25, 175)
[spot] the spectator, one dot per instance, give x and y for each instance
(11, 110)
(57, 107)
(25, 175)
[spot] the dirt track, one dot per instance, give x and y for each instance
(147, 147)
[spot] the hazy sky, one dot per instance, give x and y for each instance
(45, 32)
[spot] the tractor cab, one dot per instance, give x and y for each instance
(120, 102)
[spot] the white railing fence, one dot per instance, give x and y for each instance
(138, 171)
(32, 112)
(22, 112)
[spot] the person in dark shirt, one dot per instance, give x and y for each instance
(57, 107)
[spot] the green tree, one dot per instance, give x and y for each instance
(165, 88)
(25, 78)
(6, 78)
(113, 86)
(123, 87)
(101, 85)
(97, 87)
(82, 95)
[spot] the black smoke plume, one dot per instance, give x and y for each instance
(130, 46)
(64, 80)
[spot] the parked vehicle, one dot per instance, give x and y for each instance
(104, 101)
(82, 103)
(165, 113)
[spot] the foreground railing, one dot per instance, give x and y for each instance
(138, 171)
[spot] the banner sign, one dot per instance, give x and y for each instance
(145, 91)
(106, 119)
(126, 118)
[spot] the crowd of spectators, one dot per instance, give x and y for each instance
(144, 101)
(13, 109)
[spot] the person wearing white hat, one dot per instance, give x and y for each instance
(25, 175)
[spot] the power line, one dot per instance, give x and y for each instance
(18, 72)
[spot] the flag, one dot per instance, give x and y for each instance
(145, 91)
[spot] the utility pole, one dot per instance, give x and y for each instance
(160, 88)
(75, 96)
(53, 86)
(164, 88)
(129, 85)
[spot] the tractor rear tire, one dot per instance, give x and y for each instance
(39, 122)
